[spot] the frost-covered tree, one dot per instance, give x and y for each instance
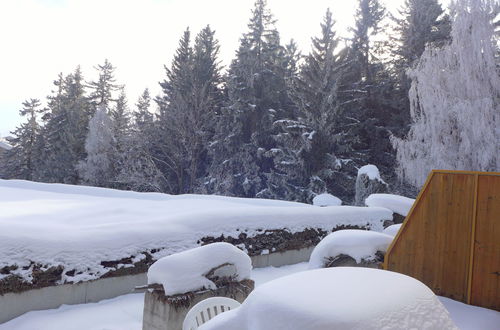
(418, 23)
(455, 100)
(98, 169)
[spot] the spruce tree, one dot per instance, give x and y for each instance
(21, 160)
(103, 88)
(314, 137)
(257, 97)
(65, 130)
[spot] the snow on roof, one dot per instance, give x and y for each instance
(338, 298)
(371, 171)
(395, 203)
(79, 227)
(358, 244)
(392, 230)
(326, 200)
(186, 271)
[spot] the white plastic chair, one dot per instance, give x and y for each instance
(207, 309)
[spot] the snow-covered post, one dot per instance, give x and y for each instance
(178, 282)
(368, 182)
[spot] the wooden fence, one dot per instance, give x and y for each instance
(450, 239)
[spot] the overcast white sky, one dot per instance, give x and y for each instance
(40, 38)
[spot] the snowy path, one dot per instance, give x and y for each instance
(125, 312)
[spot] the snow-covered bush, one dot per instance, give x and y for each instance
(326, 200)
(360, 245)
(368, 182)
(194, 269)
(455, 100)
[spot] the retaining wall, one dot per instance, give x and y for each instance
(15, 304)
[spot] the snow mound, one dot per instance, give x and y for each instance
(326, 200)
(395, 203)
(78, 228)
(358, 244)
(338, 298)
(187, 271)
(371, 171)
(392, 230)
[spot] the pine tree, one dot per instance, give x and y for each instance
(103, 88)
(191, 98)
(138, 170)
(98, 169)
(455, 97)
(367, 108)
(20, 161)
(65, 130)
(313, 139)
(257, 97)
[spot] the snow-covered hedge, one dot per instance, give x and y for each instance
(83, 233)
(361, 245)
(395, 203)
(326, 200)
(189, 270)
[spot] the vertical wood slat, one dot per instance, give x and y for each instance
(437, 242)
(472, 240)
(485, 286)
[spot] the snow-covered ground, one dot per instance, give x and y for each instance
(79, 227)
(125, 312)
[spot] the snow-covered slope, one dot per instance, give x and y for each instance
(80, 227)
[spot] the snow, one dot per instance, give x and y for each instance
(392, 230)
(79, 227)
(358, 244)
(186, 271)
(326, 200)
(338, 298)
(371, 171)
(125, 312)
(395, 203)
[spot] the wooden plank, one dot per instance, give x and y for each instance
(486, 268)
(435, 244)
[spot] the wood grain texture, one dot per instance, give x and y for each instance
(485, 290)
(435, 243)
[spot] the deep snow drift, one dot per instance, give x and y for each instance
(79, 227)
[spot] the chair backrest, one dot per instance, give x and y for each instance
(207, 309)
